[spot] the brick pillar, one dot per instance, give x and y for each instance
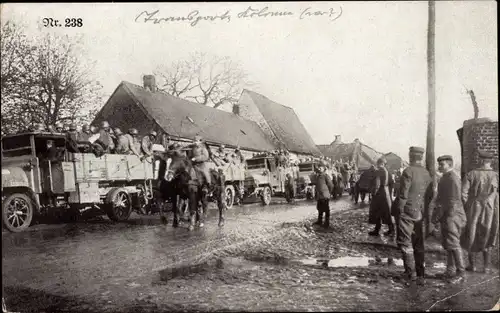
(478, 134)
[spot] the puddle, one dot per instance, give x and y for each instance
(359, 262)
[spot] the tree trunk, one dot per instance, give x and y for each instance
(430, 159)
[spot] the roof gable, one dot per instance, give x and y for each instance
(285, 124)
(363, 155)
(182, 118)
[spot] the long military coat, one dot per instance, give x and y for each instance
(480, 195)
(380, 206)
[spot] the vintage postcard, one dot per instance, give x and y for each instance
(249, 156)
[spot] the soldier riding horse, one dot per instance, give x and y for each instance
(188, 182)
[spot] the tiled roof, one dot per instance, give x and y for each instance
(285, 124)
(364, 155)
(182, 118)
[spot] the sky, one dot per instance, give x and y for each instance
(360, 74)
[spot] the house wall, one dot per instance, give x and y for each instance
(479, 134)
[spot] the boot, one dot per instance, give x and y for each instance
(320, 218)
(457, 256)
(390, 232)
(409, 265)
(327, 219)
(192, 221)
(472, 262)
(376, 231)
(486, 260)
(450, 265)
(420, 266)
(221, 217)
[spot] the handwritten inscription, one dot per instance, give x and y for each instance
(195, 17)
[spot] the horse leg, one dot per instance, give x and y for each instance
(220, 205)
(193, 207)
(175, 208)
(202, 211)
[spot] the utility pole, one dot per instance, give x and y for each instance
(430, 160)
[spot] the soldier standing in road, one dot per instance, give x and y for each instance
(105, 138)
(415, 187)
(450, 213)
(147, 143)
(480, 195)
(122, 143)
(324, 188)
(199, 156)
(380, 206)
(134, 144)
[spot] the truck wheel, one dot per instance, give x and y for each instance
(17, 212)
(266, 196)
(119, 205)
(229, 196)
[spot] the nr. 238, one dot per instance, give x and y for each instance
(68, 22)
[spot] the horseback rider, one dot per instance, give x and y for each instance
(199, 156)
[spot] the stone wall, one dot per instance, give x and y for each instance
(478, 134)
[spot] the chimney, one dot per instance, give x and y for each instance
(236, 109)
(149, 82)
(338, 139)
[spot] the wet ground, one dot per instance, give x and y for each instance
(264, 258)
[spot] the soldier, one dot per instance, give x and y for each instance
(324, 188)
(59, 127)
(219, 156)
(290, 186)
(199, 156)
(85, 134)
(66, 127)
(122, 144)
(73, 134)
(450, 213)
(147, 143)
(105, 138)
(415, 186)
(380, 207)
(239, 155)
(480, 195)
(134, 144)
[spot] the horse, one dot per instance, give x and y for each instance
(187, 183)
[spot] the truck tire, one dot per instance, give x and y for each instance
(266, 195)
(118, 205)
(229, 195)
(17, 212)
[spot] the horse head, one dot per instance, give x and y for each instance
(178, 167)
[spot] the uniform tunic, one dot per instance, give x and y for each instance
(106, 140)
(380, 207)
(450, 211)
(480, 195)
(324, 187)
(200, 155)
(147, 146)
(123, 145)
(415, 187)
(84, 136)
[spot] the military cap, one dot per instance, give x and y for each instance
(417, 150)
(153, 133)
(445, 158)
(85, 127)
(104, 124)
(72, 126)
(133, 131)
(485, 155)
(58, 125)
(118, 131)
(197, 138)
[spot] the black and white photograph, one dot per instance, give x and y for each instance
(302, 156)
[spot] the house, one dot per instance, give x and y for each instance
(144, 108)
(278, 122)
(394, 162)
(362, 155)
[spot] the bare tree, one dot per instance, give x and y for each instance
(205, 79)
(50, 82)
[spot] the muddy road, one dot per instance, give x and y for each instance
(264, 258)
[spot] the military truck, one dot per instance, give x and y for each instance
(263, 178)
(40, 175)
